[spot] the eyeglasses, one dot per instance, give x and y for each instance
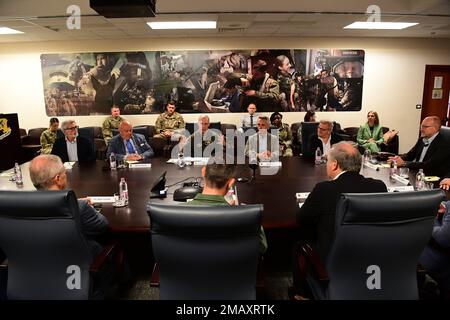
(72, 128)
(324, 129)
(424, 126)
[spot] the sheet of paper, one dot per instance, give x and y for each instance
(432, 178)
(302, 195)
(69, 165)
(400, 189)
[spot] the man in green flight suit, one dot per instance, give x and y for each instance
(112, 122)
(219, 178)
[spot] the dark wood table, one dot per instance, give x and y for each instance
(276, 192)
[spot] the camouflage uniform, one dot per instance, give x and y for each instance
(285, 139)
(109, 124)
(48, 138)
(166, 122)
(285, 84)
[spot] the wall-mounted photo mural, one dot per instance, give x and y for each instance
(203, 81)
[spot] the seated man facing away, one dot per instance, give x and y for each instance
(112, 122)
(431, 152)
(318, 212)
(219, 178)
(169, 124)
(195, 144)
(128, 145)
(324, 139)
(48, 137)
(436, 255)
(73, 147)
(47, 172)
(262, 145)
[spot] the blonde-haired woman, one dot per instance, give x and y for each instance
(370, 134)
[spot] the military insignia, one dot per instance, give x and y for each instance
(4, 129)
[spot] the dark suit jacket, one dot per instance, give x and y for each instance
(318, 212)
(436, 160)
(93, 224)
(117, 146)
(315, 142)
(85, 149)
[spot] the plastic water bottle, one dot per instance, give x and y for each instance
(123, 190)
(180, 162)
(393, 169)
(318, 156)
(367, 155)
(420, 180)
(18, 174)
(112, 161)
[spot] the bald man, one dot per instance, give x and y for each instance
(318, 212)
(431, 152)
(128, 145)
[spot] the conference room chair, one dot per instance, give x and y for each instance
(193, 126)
(296, 144)
(47, 255)
(227, 126)
(308, 129)
(206, 252)
(445, 131)
(379, 239)
(23, 132)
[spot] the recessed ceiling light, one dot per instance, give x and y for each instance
(380, 25)
(183, 25)
(5, 30)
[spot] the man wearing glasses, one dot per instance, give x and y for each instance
(431, 152)
(324, 139)
(73, 147)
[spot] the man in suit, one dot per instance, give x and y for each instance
(47, 172)
(318, 212)
(431, 152)
(73, 147)
(324, 139)
(262, 145)
(128, 145)
(249, 119)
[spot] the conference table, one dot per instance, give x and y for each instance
(276, 191)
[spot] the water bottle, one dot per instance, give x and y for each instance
(123, 191)
(180, 161)
(112, 161)
(367, 155)
(393, 169)
(318, 157)
(420, 180)
(18, 174)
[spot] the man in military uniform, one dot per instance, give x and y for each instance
(200, 139)
(284, 134)
(48, 137)
(112, 122)
(219, 178)
(169, 124)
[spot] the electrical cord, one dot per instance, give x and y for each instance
(178, 182)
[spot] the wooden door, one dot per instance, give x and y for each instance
(436, 90)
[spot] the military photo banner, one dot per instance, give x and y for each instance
(203, 81)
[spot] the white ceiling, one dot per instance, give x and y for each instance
(45, 20)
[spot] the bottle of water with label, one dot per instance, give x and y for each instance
(180, 162)
(393, 169)
(112, 161)
(18, 174)
(420, 180)
(123, 191)
(318, 156)
(367, 155)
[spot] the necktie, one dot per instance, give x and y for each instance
(426, 142)
(251, 121)
(130, 146)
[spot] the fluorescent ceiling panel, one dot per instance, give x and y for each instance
(380, 25)
(183, 25)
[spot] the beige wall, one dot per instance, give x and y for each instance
(393, 76)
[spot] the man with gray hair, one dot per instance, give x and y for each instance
(72, 147)
(323, 140)
(318, 212)
(47, 172)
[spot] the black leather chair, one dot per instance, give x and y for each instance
(445, 132)
(45, 249)
(308, 129)
(379, 239)
(206, 252)
(192, 126)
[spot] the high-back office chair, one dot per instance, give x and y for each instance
(206, 252)
(48, 256)
(308, 129)
(379, 239)
(445, 132)
(193, 126)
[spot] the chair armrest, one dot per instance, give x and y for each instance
(4, 264)
(100, 259)
(154, 281)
